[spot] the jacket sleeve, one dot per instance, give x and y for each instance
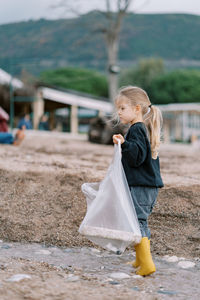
(134, 150)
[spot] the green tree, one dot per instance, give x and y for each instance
(176, 87)
(82, 80)
(143, 74)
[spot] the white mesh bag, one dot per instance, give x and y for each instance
(111, 221)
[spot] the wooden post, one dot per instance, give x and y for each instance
(51, 120)
(177, 126)
(74, 119)
(101, 114)
(38, 109)
(166, 131)
(185, 133)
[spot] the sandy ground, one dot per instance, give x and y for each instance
(88, 273)
(49, 282)
(41, 200)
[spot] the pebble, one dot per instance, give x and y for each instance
(135, 288)
(45, 252)
(95, 250)
(114, 282)
(72, 278)
(181, 258)
(119, 275)
(68, 250)
(5, 247)
(171, 258)
(137, 276)
(165, 292)
(18, 277)
(186, 264)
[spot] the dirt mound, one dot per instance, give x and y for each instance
(41, 207)
(175, 221)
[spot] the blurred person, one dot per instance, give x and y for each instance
(10, 139)
(141, 163)
(25, 120)
(44, 124)
(4, 118)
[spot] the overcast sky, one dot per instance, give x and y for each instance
(20, 10)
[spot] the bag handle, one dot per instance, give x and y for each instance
(119, 145)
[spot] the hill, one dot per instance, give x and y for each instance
(46, 44)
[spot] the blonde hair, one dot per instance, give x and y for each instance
(152, 116)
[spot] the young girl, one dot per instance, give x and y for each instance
(141, 162)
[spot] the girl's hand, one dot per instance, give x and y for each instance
(117, 137)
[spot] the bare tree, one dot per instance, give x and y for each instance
(112, 34)
(115, 11)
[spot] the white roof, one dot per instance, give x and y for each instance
(5, 79)
(180, 107)
(72, 99)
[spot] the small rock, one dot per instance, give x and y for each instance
(194, 237)
(84, 250)
(114, 282)
(18, 277)
(1, 241)
(186, 264)
(135, 288)
(94, 250)
(165, 292)
(169, 248)
(72, 278)
(119, 275)
(181, 258)
(137, 276)
(170, 258)
(2, 267)
(5, 247)
(45, 252)
(68, 250)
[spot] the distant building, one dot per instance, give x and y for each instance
(181, 122)
(49, 100)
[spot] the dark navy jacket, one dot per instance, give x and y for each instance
(139, 166)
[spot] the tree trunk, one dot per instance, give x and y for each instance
(112, 46)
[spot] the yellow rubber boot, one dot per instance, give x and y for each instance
(147, 266)
(135, 263)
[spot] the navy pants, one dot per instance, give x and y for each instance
(144, 199)
(6, 138)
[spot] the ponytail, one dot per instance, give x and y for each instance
(153, 121)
